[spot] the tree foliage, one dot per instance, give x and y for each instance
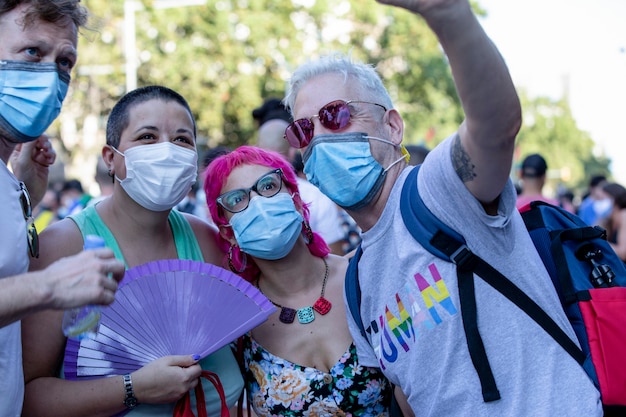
(226, 56)
(550, 130)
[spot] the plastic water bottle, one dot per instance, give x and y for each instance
(83, 322)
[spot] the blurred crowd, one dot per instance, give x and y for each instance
(602, 204)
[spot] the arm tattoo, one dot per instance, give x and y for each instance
(461, 161)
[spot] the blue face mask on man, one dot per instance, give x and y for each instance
(269, 227)
(343, 168)
(31, 95)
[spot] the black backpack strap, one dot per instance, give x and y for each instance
(451, 246)
(443, 242)
(353, 289)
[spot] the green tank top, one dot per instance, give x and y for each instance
(90, 223)
(222, 362)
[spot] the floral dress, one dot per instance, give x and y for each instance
(277, 387)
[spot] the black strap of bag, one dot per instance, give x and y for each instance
(443, 242)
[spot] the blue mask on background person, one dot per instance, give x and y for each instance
(31, 96)
(343, 168)
(269, 227)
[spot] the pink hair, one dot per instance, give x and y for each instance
(215, 177)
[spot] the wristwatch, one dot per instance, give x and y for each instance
(130, 401)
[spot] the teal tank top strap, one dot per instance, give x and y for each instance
(89, 222)
(186, 243)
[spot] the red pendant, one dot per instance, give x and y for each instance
(322, 306)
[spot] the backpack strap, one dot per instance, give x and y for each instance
(449, 245)
(353, 289)
(443, 242)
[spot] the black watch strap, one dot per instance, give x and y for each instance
(130, 401)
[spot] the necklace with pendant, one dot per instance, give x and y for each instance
(305, 314)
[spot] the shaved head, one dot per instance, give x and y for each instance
(271, 136)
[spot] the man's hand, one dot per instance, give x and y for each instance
(30, 162)
(82, 279)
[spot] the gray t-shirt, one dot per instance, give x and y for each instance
(410, 299)
(14, 260)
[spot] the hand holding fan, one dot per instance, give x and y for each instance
(167, 307)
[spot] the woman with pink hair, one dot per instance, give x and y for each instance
(302, 359)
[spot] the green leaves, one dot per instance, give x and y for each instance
(226, 56)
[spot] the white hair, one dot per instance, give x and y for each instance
(363, 77)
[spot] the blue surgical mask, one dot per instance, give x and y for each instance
(31, 96)
(343, 168)
(269, 227)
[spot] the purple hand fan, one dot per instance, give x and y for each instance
(167, 307)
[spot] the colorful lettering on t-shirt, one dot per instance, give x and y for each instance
(394, 332)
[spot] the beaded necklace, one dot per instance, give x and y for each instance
(305, 314)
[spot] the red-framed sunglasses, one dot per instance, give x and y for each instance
(334, 116)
